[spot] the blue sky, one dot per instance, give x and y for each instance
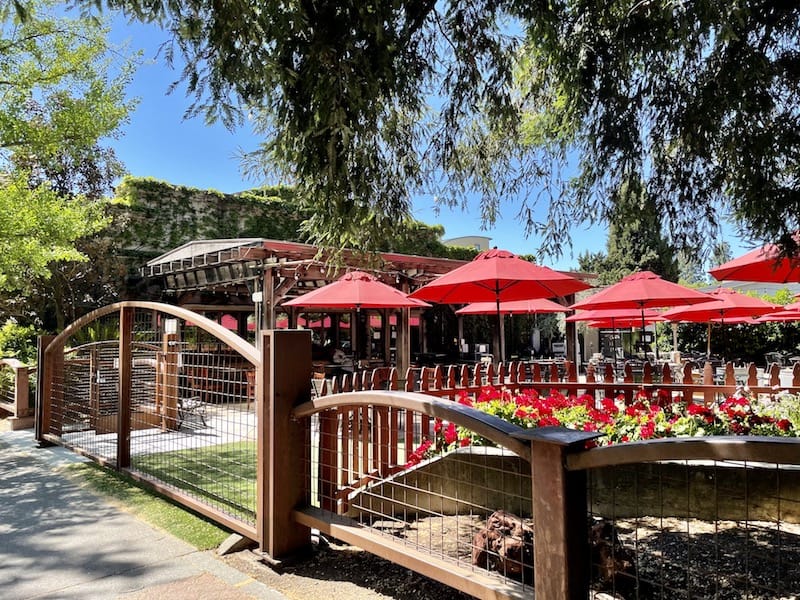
(159, 143)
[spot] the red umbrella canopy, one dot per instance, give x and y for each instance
(790, 312)
(727, 304)
(498, 275)
(356, 290)
(515, 307)
(761, 264)
(641, 290)
(616, 314)
(624, 323)
(779, 315)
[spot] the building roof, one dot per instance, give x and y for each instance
(207, 272)
(236, 267)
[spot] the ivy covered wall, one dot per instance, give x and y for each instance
(152, 217)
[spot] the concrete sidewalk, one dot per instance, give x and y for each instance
(58, 540)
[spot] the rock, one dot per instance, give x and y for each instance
(505, 544)
(613, 565)
(235, 543)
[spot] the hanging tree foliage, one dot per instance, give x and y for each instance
(698, 100)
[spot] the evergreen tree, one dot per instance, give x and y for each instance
(635, 241)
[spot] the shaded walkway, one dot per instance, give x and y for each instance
(58, 540)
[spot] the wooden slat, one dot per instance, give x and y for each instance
(467, 580)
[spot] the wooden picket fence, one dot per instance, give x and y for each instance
(689, 383)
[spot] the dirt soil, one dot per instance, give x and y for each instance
(343, 572)
(679, 558)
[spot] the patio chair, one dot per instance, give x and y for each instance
(774, 357)
(192, 406)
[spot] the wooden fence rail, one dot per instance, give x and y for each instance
(691, 383)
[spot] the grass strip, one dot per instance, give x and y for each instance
(222, 475)
(147, 505)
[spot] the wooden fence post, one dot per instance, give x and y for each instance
(560, 514)
(45, 374)
(124, 390)
(285, 382)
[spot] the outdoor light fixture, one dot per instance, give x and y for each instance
(170, 326)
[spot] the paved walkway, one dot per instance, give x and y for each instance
(58, 540)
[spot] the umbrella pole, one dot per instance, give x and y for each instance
(500, 344)
(725, 334)
(614, 346)
(641, 335)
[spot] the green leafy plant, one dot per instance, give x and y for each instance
(18, 341)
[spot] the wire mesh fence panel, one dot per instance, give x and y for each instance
(7, 385)
(427, 485)
(191, 406)
(691, 529)
(84, 401)
(202, 441)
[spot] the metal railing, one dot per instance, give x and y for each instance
(393, 472)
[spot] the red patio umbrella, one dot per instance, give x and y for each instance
(515, 307)
(356, 290)
(727, 304)
(613, 318)
(615, 314)
(498, 276)
(642, 290)
(790, 312)
(625, 323)
(353, 291)
(762, 264)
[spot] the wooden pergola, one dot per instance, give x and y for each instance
(255, 276)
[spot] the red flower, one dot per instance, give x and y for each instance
(450, 434)
(784, 424)
(609, 406)
(697, 409)
(437, 425)
(521, 413)
(465, 441)
(417, 455)
(598, 416)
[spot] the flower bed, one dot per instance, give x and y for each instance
(741, 414)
